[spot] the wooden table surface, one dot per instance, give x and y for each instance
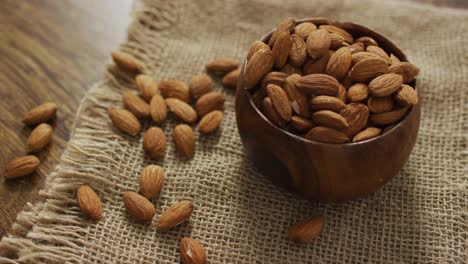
(54, 51)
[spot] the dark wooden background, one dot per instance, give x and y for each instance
(53, 51)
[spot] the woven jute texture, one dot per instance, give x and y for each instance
(240, 217)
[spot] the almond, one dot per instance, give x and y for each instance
(256, 46)
(210, 122)
(367, 69)
(280, 101)
(135, 104)
(379, 52)
(258, 96)
(147, 86)
(301, 124)
(318, 43)
(367, 133)
(209, 102)
(327, 135)
(337, 41)
(307, 229)
(287, 24)
(138, 206)
(281, 48)
(290, 69)
(318, 84)
(271, 114)
(222, 66)
(277, 78)
(387, 118)
(151, 181)
(184, 139)
(380, 104)
(88, 202)
(154, 142)
(298, 52)
(356, 47)
(200, 85)
(40, 137)
(230, 80)
(317, 65)
(385, 84)
(259, 65)
(331, 119)
(324, 102)
(158, 108)
(342, 94)
(174, 215)
(191, 251)
(359, 56)
(357, 116)
(303, 30)
(407, 70)
(394, 59)
(21, 166)
(367, 41)
(406, 95)
(297, 99)
(124, 120)
(40, 114)
(126, 62)
(339, 63)
(175, 89)
(337, 30)
(182, 110)
(357, 93)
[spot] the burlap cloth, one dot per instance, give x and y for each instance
(240, 217)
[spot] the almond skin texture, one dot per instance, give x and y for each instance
(407, 70)
(191, 251)
(222, 66)
(367, 133)
(297, 99)
(337, 41)
(210, 122)
(357, 116)
(388, 118)
(158, 108)
(271, 114)
(357, 93)
(281, 48)
(147, 86)
(359, 56)
(200, 85)
(20, 167)
(280, 101)
(209, 102)
(307, 229)
(230, 80)
(367, 41)
(138, 206)
(339, 63)
(327, 135)
(126, 62)
(290, 69)
(298, 53)
(151, 181)
(124, 120)
(379, 52)
(318, 84)
(174, 215)
(380, 104)
(301, 124)
(184, 139)
(182, 110)
(323, 102)
(277, 78)
(135, 104)
(342, 94)
(88, 202)
(406, 95)
(331, 119)
(40, 137)
(303, 30)
(154, 142)
(337, 30)
(317, 65)
(259, 65)
(394, 60)
(356, 47)
(175, 89)
(318, 43)
(385, 84)
(256, 46)
(41, 113)
(287, 24)
(367, 69)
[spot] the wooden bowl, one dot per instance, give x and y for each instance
(321, 171)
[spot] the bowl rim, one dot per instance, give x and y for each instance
(308, 141)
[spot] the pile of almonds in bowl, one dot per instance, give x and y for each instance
(326, 85)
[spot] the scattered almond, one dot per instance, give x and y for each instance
(200, 85)
(368, 133)
(88, 202)
(135, 104)
(182, 110)
(158, 108)
(339, 63)
(126, 62)
(318, 84)
(406, 95)
(230, 80)
(385, 84)
(147, 86)
(138, 206)
(222, 66)
(124, 120)
(154, 142)
(174, 215)
(324, 102)
(175, 89)
(331, 119)
(357, 116)
(151, 181)
(307, 229)
(210, 122)
(40, 137)
(21, 166)
(184, 139)
(40, 114)
(191, 251)
(209, 102)
(367, 69)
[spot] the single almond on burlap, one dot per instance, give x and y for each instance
(357, 116)
(318, 84)
(271, 113)
(191, 251)
(342, 94)
(88, 202)
(337, 30)
(407, 70)
(209, 102)
(337, 41)
(301, 124)
(367, 41)
(379, 52)
(21, 166)
(317, 65)
(298, 52)
(367, 69)
(380, 104)
(318, 43)
(275, 77)
(394, 59)
(356, 47)
(210, 122)
(41, 113)
(256, 46)
(126, 62)
(158, 108)
(362, 55)
(230, 80)
(287, 24)
(259, 65)
(124, 120)
(329, 118)
(339, 63)
(222, 66)
(297, 99)
(303, 30)
(151, 181)
(280, 101)
(135, 104)
(199, 85)
(357, 93)
(385, 84)
(289, 69)
(40, 137)
(154, 142)
(307, 229)
(174, 215)
(147, 86)
(387, 118)
(175, 89)
(324, 102)
(281, 48)
(367, 133)
(138, 206)
(182, 110)
(327, 135)
(184, 139)
(406, 95)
